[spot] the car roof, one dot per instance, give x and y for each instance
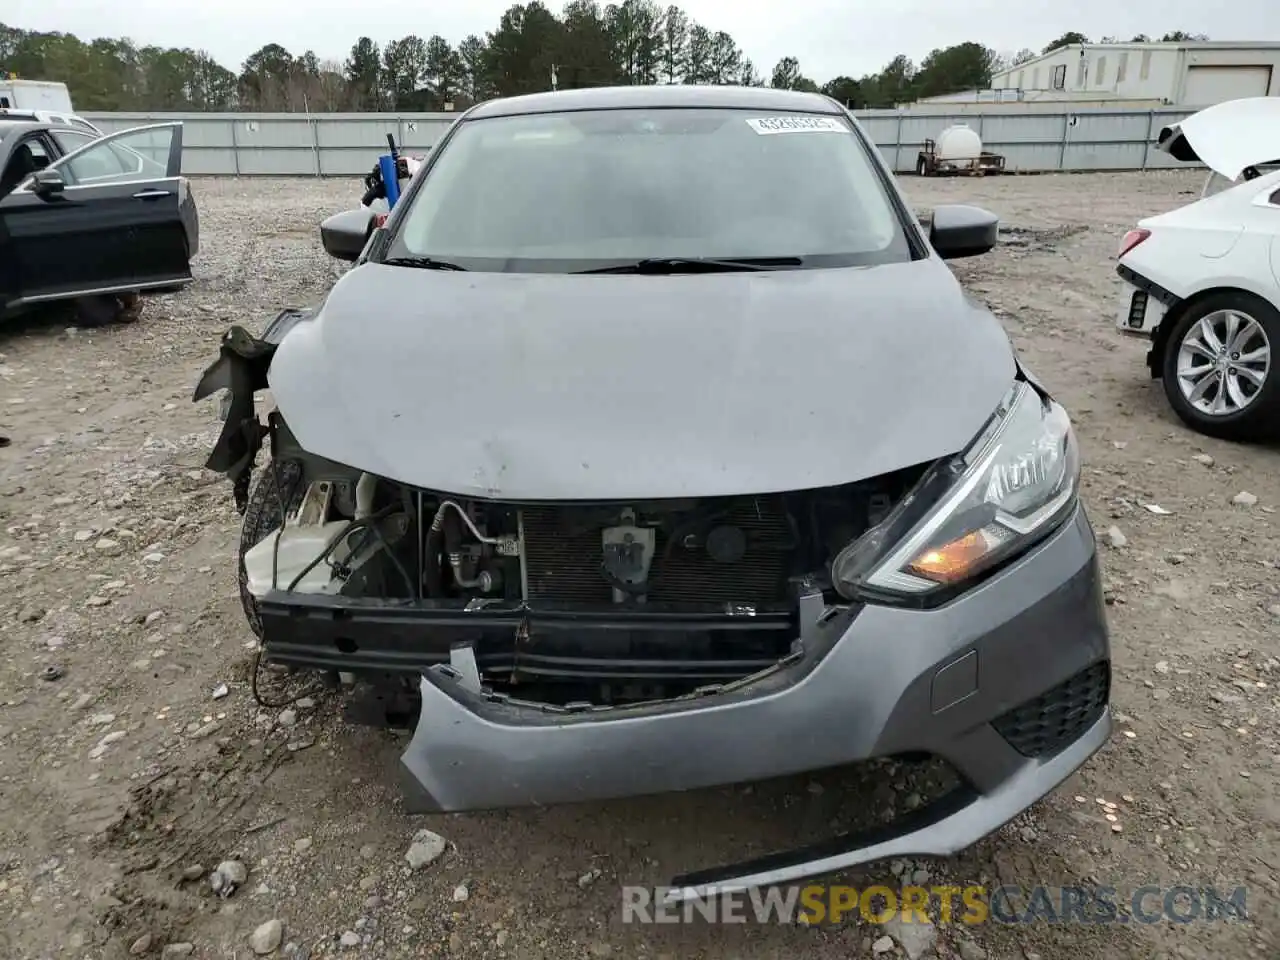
(41, 116)
(9, 127)
(673, 95)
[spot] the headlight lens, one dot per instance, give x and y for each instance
(1017, 478)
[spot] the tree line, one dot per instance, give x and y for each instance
(531, 49)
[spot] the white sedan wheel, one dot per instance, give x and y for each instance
(1223, 363)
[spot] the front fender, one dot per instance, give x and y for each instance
(241, 370)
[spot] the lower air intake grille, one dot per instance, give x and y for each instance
(1058, 717)
(1138, 309)
(564, 553)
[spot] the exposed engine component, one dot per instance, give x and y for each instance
(465, 560)
(628, 553)
(355, 534)
(570, 602)
(318, 551)
(742, 551)
(727, 544)
(702, 552)
(507, 545)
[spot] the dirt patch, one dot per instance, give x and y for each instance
(125, 773)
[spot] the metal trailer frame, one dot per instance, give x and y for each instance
(928, 164)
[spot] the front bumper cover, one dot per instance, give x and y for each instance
(874, 682)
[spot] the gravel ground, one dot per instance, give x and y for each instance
(125, 765)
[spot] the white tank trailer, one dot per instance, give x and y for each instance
(958, 150)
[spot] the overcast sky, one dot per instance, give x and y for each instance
(829, 37)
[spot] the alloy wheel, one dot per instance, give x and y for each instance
(1223, 362)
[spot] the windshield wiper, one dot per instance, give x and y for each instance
(666, 265)
(422, 263)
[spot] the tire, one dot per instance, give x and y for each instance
(262, 515)
(922, 167)
(1258, 321)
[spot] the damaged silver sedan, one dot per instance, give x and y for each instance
(650, 445)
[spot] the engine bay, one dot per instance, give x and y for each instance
(558, 603)
(364, 536)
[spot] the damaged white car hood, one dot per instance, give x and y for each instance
(1227, 137)
(555, 387)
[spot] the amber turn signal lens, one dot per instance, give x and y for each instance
(954, 561)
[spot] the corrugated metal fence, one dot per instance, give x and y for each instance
(346, 144)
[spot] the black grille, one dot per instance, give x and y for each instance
(1137, 309)
(564, 553)
(1058, 717)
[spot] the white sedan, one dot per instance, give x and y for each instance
(1203, 281)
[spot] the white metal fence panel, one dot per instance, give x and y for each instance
(347, 144)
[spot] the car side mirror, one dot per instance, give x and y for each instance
(47, 182)
(961, 231)
(345, 234)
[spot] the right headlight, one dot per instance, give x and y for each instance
(1012, 485)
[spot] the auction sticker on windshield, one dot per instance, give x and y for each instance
(763, 125)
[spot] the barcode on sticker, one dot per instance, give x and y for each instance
(764, 125)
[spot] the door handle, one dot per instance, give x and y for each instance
(151, 194)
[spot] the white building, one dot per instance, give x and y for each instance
(1192, 74)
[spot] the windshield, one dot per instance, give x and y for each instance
(574, 191)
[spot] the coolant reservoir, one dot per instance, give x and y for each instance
(299, 546)
(959, 142)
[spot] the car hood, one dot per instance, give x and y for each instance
(555, 387)
(1227, 137)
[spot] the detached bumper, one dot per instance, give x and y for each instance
(1009, 684)
(947, 827)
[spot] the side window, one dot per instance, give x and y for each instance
(138, 155)
(27, 157)
(41, 156)
(96, 165)
(71, 140)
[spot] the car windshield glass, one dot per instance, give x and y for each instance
(566, 192)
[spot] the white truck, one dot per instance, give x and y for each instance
(34, 95)
(45, 101)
